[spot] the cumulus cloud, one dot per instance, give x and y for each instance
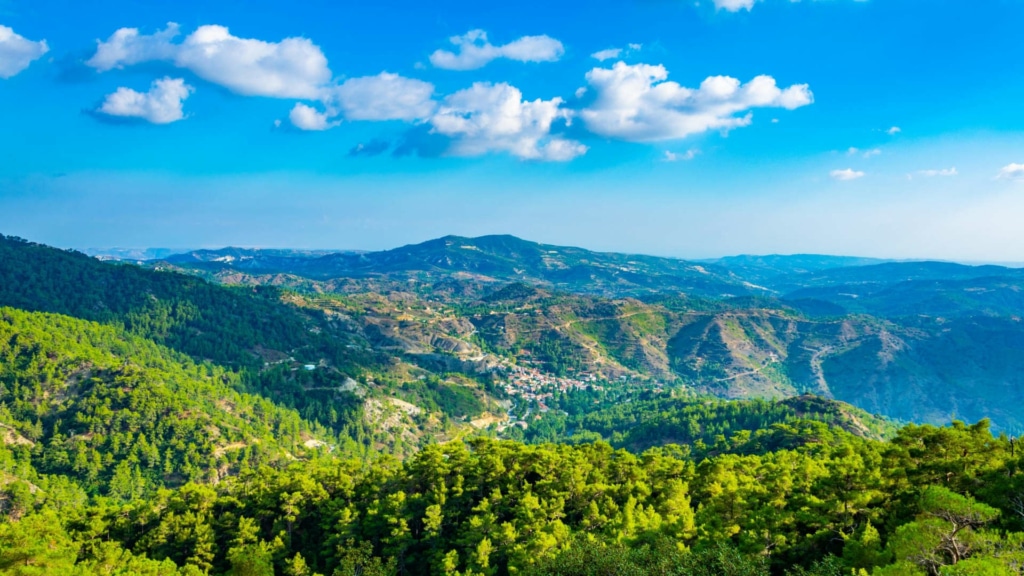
(475, 51)
(382, 97)
(737, 5)
(306, 117)
(637, 103)
(894, 131)
(846, 175)
(734, 5)
(676, 156)
(494, 118)
(162, 104)
(607, 54)
(126, 46)
(614, 53)
(1011, 172)
(385, 97)
(291, 68)
(17, 52)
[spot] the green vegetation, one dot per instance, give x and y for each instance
(230, 327)
(172, 427)
(703, 426)
(123, 417)
(930, 501)
(259, 340)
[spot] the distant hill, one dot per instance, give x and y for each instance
(893, 273)
(764, 269)
(131, 254)
(988, 296)
(895, 290)
(249, 258)
(494, 259)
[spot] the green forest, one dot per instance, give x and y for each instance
(124, 457)
(155, 424)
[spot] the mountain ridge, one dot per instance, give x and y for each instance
(501, 258)
(918, 351)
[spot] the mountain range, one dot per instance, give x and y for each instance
(913, 341)
(917, 341)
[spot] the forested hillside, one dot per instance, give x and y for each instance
(155, 423)
(254, 333)
(703, 427)
(930, 501)
(123, 416)
(226, 326)
(916, 341)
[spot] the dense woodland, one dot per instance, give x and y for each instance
(123, 457)
(152, 424)
(930, 501)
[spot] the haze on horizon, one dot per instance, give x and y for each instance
(878, 128)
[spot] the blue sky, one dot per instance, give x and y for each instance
(882, 127)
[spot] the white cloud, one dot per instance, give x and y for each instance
(382, 97)
(474, 51)
(933, 173)
(894, 131)
(17, 52)
(291, 68)
(676, 157)
(162, 104)
(734, 5)
(615, 53)
(306, 117)
(737, 5)
(494, 118)
(1011, 172)
(636, 103)
(385, 97)
(606, 54)
(846, 175)
(127, 46)
(865, 153)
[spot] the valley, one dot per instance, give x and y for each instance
(900, 339)
(494, 413)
